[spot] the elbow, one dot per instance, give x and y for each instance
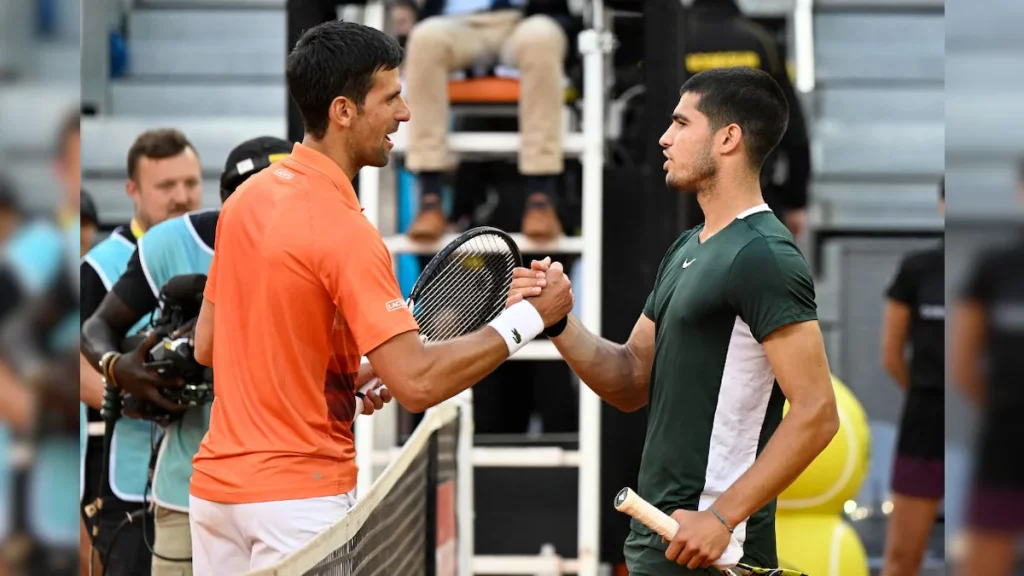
(413, 394)
(827, 420)
(630, 403)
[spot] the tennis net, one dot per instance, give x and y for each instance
(410, 521)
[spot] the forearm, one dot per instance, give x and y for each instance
(98, 338)
(447, 368)
(90, 383)
(802, 435)
(899, 369)
(607, 368)
(971, 381)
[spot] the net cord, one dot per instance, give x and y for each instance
(299, 562)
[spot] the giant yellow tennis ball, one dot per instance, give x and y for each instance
(837, 473)
(819, 545)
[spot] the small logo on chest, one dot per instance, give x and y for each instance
(686, 263)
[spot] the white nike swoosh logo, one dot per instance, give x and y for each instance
(687, 263)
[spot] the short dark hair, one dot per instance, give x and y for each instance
(156, 144)
(70, 125)
(745, 96)
(335, 59)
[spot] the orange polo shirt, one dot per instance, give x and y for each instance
(303, 286)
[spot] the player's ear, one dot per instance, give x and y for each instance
(729, 138)
(342, 111)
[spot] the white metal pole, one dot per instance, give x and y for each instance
(803, 40)
(465, 505)
(591, 43)
(369, 194)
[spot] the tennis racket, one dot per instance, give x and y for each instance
(461, 289)
(631, 503)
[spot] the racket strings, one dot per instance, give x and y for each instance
(466, 303)
(481, 312)
(468, 290)
(442, 303)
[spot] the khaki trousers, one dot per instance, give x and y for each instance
(173, 540)
(441, 45)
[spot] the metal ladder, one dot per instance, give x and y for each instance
(594, 44)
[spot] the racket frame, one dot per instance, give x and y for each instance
(427, 274)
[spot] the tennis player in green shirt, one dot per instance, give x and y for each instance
(728, 334)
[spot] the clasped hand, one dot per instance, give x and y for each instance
(545, 285)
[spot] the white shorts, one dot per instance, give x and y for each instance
(229, 539)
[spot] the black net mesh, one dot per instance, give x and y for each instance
(400, 533)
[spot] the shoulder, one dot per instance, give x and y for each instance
(116, 242)
(765, 236)
(1003, 256)
(921, 260)
(764, 255)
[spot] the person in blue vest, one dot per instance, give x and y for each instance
(176, 247)
(38, 342)
(164, 181)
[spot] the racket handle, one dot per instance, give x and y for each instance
(665, 526)
(373, 383)
(631, 503)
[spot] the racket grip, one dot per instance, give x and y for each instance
(373, 383)
(630, 503)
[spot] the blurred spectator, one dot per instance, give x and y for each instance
(988, 368)
(459, 34)
(913, 353)
(38, 341)
(404, 15)
(68, 163)
(718, 36)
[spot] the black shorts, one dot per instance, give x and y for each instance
(919, 470)
(997, 495)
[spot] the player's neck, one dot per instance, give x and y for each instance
(337, 152)
(727, 199)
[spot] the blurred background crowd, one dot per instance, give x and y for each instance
(897, 106)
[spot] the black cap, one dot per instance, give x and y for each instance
(88, 210)
(248, 158)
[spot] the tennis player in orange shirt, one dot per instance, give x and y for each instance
(300, 287)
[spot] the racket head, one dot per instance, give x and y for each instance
(465, 285)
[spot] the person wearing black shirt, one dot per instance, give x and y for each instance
(988, 367)
(915, 315)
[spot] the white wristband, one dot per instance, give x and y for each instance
(518, 324)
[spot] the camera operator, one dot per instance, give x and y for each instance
(164, 180)
(176, 248)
